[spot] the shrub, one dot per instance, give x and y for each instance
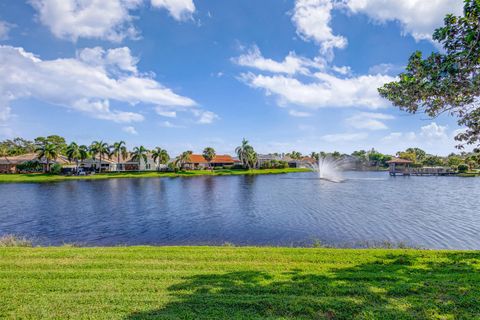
(55, 168)
(282, 164)
(462, 168)
(30, 166)
(172, 167)
(266, 164)
(11, 240)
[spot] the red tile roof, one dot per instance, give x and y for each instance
(198, 158)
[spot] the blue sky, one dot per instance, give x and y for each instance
(182, 74)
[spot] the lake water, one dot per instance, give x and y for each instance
(294, 210)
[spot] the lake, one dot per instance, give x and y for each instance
(294, 210)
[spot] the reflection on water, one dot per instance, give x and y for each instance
(294, 209)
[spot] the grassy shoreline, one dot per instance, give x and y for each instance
(14, 178)
(238, 283)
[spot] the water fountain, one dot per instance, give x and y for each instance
(330, 168)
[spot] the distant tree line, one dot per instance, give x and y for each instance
(51, 147)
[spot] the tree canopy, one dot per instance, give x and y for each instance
(447, 81)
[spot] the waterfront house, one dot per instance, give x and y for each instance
(197, 161)
(140, 165)
(9, 164)
(128, 164)
(93, 165)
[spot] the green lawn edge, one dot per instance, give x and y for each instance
(15, 178)
(238, 283)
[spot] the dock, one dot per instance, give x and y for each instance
(402, 167)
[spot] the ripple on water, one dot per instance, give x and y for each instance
(433, 212)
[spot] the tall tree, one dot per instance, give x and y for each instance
(182, 159)
(160, 156)
(246, 154)
(76, 153)
(119, 150)
(447, 81)
(84, 153)
(57, 140)
(47, 151)
(295, 155)
(3, 150)
(140, 153)
(209, 155)
(17, 146)
(419, 154)
(100, 148)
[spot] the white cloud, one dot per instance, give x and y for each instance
(112, 59)
(290, 65)
(344, 137)
(4, 30)
(344, 70)
(386, 68)
(295, 113)
(400, 136)
(369, 120)
(178, 9)
(433, 138)
(417, 17)
(100, 19)
(82, 85)
(130, 129)
(312, 20)
(205, 117)
(165, 112)
(325, 91)
(434, 131)
(100, 109)
(168, 124)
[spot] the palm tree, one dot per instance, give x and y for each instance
(241, 151)
(295, 155)
(101, 149)
(84, 154)
(252, 158)
(139, 153)
(182, 159)
(209, 154)
(48, 151)
(76, 152)
(160, 156)
(119, 149)
(246, 154)
(315, 155)
(3, 151)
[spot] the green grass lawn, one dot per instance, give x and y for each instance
(4, 178)
(238, 283)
